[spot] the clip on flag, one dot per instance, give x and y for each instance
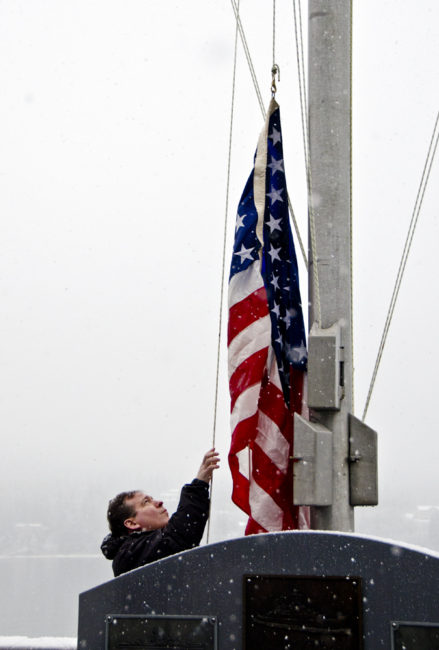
(267, 345)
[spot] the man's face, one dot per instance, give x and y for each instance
(150, 513)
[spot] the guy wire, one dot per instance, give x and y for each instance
(408, 242)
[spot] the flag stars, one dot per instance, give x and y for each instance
(271, 248)
(274, 253)
(276, 165)
(275, 135)
(273, 224)
(240, 221)
(296, 354)
(275, 195)
(245, 253)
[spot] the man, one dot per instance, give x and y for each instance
(142, 531)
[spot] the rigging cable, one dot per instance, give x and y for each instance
(306, 148)
(351, 235)
(261, 105)
(239, 28)
(223, 264)
(305, 138)
(248, 57)
(408, 242)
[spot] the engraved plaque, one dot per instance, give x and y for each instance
(414, 636)
(125, 632)
(291, 612)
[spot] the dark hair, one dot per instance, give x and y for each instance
(118, 511)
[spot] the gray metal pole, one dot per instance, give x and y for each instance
(330, 158)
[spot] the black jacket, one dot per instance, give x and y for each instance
(184, 530)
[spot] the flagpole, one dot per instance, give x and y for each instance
(330, 33)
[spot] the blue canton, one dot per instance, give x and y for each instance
(279, 265)
(246, 246)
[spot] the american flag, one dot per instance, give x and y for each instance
(267, 344)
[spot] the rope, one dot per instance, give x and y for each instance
(261, 105)
(306, 146)
(248, 57)
(223, 263)
(240, 29)
(408, 242)
(296, 228)
(305, 137)
(274, 33)
(274, 71)
(351, 236)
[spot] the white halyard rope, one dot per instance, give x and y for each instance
(223, 263)
(305, 137)
(263, 112)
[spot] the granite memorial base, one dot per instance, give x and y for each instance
(279, 591)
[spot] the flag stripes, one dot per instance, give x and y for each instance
(267, 353)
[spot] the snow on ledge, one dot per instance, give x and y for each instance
(40, 643)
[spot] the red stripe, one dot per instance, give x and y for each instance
(296, 393)
(253, 528)
(240, 493)
(243, 434)
(290, 522)
(269, 477)
(265, 472)
(248, 373)
(278, 485)
(272, 481)
(272, 403)
(246, 312)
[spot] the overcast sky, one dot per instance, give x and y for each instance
(114, 123)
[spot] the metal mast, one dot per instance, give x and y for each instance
(335, 453)
(330, 160)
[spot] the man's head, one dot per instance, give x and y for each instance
(130, 511)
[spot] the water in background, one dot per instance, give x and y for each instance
(39, 595)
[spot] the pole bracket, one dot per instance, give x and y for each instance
(325, 368)
(363, 471)
(312, 463)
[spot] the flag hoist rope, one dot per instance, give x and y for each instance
(408, 242)
(306, 147)
(261, 105)
(305, 138)
(274, 33)
(351, 235)
(275, 69)
(223, 264)
(302, 92)
(304, 112)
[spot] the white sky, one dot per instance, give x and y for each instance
(114, 121)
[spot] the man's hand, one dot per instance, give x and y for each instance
(210, 462)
